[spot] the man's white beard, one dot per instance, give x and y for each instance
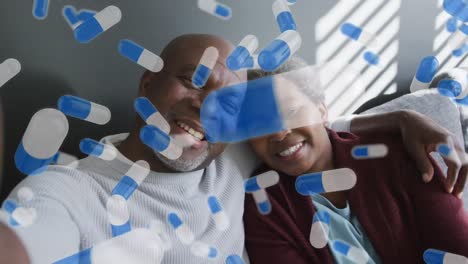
(184, 165)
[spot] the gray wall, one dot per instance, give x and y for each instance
(54, 63)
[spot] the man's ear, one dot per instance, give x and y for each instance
(145, 83)
(323, 112)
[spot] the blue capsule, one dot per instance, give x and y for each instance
(434, 256)
(452, 25)
(205, 66)
(132, 179)
(279, 50)
(183, 232)
(449, 88)
(40, 9)
(94, 148)
(219, 216)
(427, 69)
(216, 9)
(262, 201)
(371, 57)
(10, 206)
(242, 56)
(369, 151)
(234, 113)
(83, 109)
(234, 259)
(356, 33)
(357, 255)
(326, 181)
(204, 250)
(148, 112)
(262, 181)
(95, 26)
(283, 16)
(461, 51)
(69, 13)
(159, 141)
(140, 55)
(319, 230)
(457, 9)
(41, 141)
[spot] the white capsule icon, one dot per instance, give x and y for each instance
(95, 26)
(357, 255)
(320, 229)
(261, 200)
(425, 73)
(326, 181)
(132, 179)
(219, 216)
(242, 56)
(41, 141)
(262, 181)
(140, 246)
(279, 50)
(215, 8)
(205, 66)
(83, 109)
(204, 250)
(94, 148)
(373, 151)
(434, 256)
(9, 69)
(140, 55)
(161, 142)
(19, 216)
(25, 195)
(283, 16)
(148, 112)
(181, 229)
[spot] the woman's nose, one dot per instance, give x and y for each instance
(280, 136)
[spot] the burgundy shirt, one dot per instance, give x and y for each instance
(401, 215)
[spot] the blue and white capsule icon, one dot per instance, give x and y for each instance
(434, 256)
(373, 151)
(279, 50)
(215, 8)
(427, 69)
(261, 181)
(97, 149)
(283, 16)
(326, 181)
(358, 34)
(132, 179)
(148, 112)
(219, 216)
(182, 231)
(83, 109)
(100, 23)
(457, 9)
(234, 259)
(371, 58)
(320, 229)
(19, 216)
(161, 142)
(262, 201)
(357, 255)
(140, 55)
(118, 215)
(40, 9)
(204, 250)
(459, 38)
(9, 69)
(242, 56)
(41, 141)
(205, 66)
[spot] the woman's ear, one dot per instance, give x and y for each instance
(145, 83)
(323, 112)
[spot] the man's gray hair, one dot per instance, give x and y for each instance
(307, 79)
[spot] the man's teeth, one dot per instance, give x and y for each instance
(290, 150)
(191, 131)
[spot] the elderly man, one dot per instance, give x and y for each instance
(71, 203)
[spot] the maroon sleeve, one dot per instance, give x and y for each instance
(443, 223)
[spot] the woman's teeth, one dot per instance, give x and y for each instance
(290, 150)
(191, 131)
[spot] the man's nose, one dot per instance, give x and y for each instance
(280, 136)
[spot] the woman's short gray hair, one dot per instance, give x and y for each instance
(307, 79)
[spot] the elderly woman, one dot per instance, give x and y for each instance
(389, 216)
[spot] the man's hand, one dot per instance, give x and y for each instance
(422, 136)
